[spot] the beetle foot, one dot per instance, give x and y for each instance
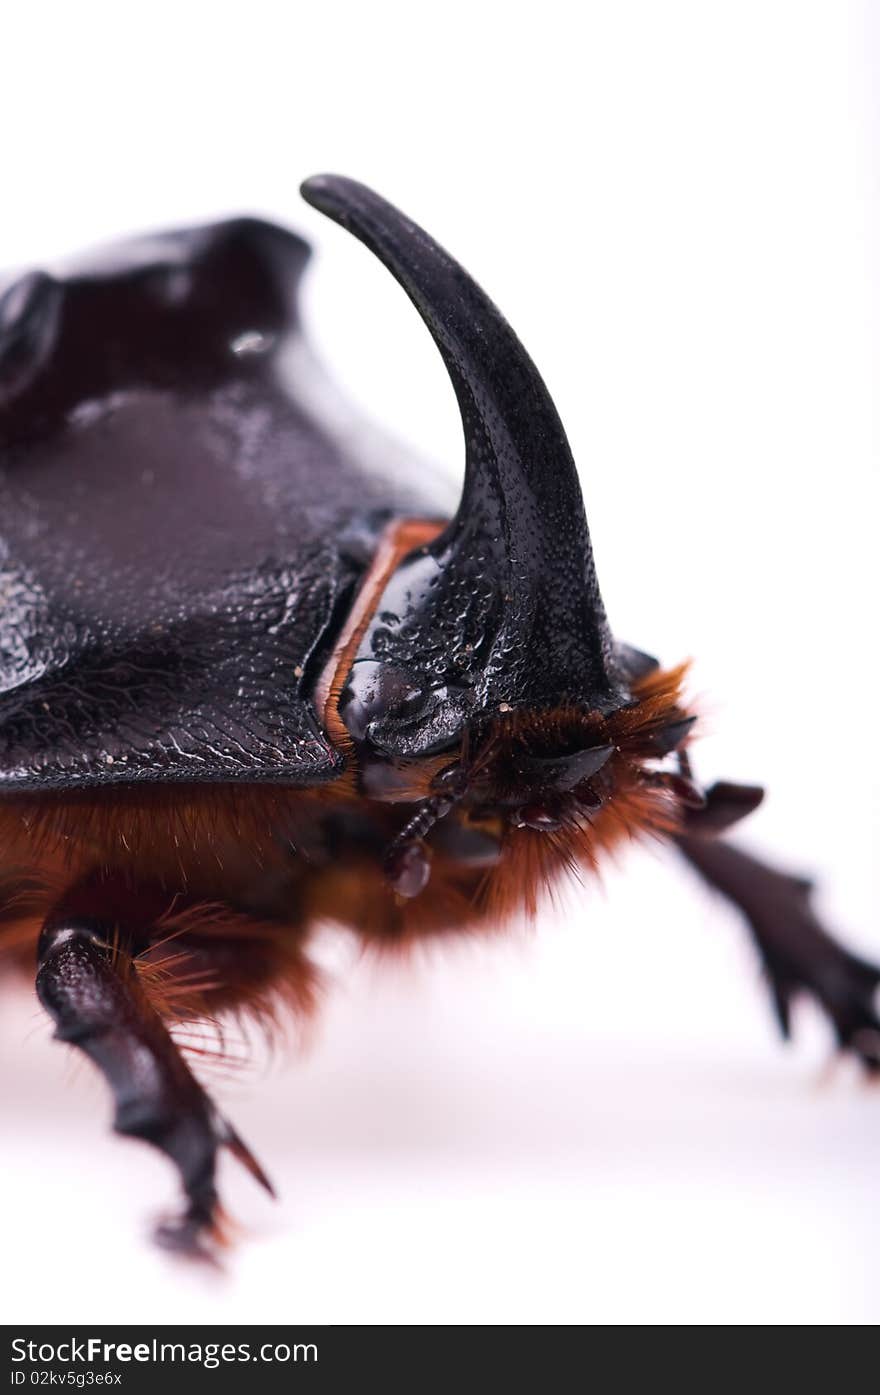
(799, 955)
(200, 1232)
(844, 986)
(195, 1234)
(202, 1229)
(94, 997)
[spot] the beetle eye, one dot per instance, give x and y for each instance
(375, 691)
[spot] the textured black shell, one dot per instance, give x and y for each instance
(179, 534)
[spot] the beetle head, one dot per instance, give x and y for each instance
(567, 781)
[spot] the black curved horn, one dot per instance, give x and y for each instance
(504, 607)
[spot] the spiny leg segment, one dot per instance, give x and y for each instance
(798, 954)
(89, 986)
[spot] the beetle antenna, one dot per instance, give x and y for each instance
(407, 861)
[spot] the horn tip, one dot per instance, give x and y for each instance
(327, 192)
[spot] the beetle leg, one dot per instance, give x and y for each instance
(798, 954)
(91, 991)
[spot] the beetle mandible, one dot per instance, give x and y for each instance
(248, 684)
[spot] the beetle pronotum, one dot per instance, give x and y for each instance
(247, 684)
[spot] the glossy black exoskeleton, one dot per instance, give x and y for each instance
(249, 681)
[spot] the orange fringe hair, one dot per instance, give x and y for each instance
(224, 887)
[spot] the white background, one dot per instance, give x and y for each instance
(675, 206)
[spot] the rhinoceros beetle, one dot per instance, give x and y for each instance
(249, 683)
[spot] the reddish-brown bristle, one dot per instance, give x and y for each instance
(180, 865)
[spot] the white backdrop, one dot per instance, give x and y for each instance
(674, 206)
